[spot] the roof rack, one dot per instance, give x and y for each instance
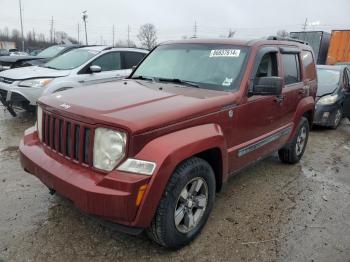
(279, 38)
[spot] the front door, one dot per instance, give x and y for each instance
(111, 70)
(260, 119)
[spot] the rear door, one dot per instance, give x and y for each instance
(346, 103)
(293, 90)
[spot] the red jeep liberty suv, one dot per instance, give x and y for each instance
(151, 151)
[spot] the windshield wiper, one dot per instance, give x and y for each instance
(178, 81)
(144, 78)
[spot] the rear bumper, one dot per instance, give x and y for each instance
(325, 114)
(110, 196)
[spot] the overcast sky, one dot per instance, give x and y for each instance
(175, 19)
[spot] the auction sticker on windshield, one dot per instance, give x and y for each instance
(225, 53)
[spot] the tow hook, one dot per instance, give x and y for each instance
(52, 191)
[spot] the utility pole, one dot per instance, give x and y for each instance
(51, 30)
(20, 14)
(128, 35)
(195, 29)
(78, 33)
(305, 25)
(113, 32)
(85, 16)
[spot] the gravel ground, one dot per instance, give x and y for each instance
(268, 212)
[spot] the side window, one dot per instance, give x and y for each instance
(267, 66)
(309, 65)
(132, 59)
(108, 62)
(291, 67)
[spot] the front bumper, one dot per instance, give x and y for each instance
(325, 114)
(20, 96)
(110, 196)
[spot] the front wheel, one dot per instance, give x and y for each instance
(338, 115)
(185, 205)
(293, 151)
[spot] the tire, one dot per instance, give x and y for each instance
(338, 115)
(293, 151)
(168, 231)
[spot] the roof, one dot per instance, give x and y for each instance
(238, 42)
(100, 48)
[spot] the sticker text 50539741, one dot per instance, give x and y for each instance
(225, 53)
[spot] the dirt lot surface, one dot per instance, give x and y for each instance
(269, 212)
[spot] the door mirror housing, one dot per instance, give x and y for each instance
(95, 69)
(267, 86)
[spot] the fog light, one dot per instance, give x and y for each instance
(138, 166)
(325, 115)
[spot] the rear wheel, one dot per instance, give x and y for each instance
(293, 151)
(185, 205)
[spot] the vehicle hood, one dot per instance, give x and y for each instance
(137, 106)
(326, 89)
(33, 72)
(15, 59)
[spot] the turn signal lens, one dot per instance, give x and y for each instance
(140, 194)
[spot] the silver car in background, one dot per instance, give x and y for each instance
(22, 87)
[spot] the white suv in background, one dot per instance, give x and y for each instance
(22, 87)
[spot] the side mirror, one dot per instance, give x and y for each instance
(95, 69)
(267, 86)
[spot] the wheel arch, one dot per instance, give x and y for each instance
(169, 151)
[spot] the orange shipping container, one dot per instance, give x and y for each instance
(339, 47)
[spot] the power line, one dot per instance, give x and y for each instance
(113, 32)
(20, 14)
(195, 29)
(51, 30)
(128, 35)
(305, 24)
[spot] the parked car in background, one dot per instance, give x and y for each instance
(347, 64)
(333, 95)
(318, 40)
(150, 152)
(35, 52)
(10, 62)
(4, 52)
(80, 67)
(19, 53)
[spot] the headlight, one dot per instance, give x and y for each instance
(109, 148)
(328, 100)
(36, 83)
(39, 121)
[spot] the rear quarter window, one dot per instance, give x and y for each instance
(308, 64)
(291, 67)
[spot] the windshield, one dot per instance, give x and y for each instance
(71, 59)
(210, 66)
(51, 51)
(328, 76)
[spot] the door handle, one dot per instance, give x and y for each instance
(279, 99)
(302, 91)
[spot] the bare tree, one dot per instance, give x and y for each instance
(282, 33)
(148, 36)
